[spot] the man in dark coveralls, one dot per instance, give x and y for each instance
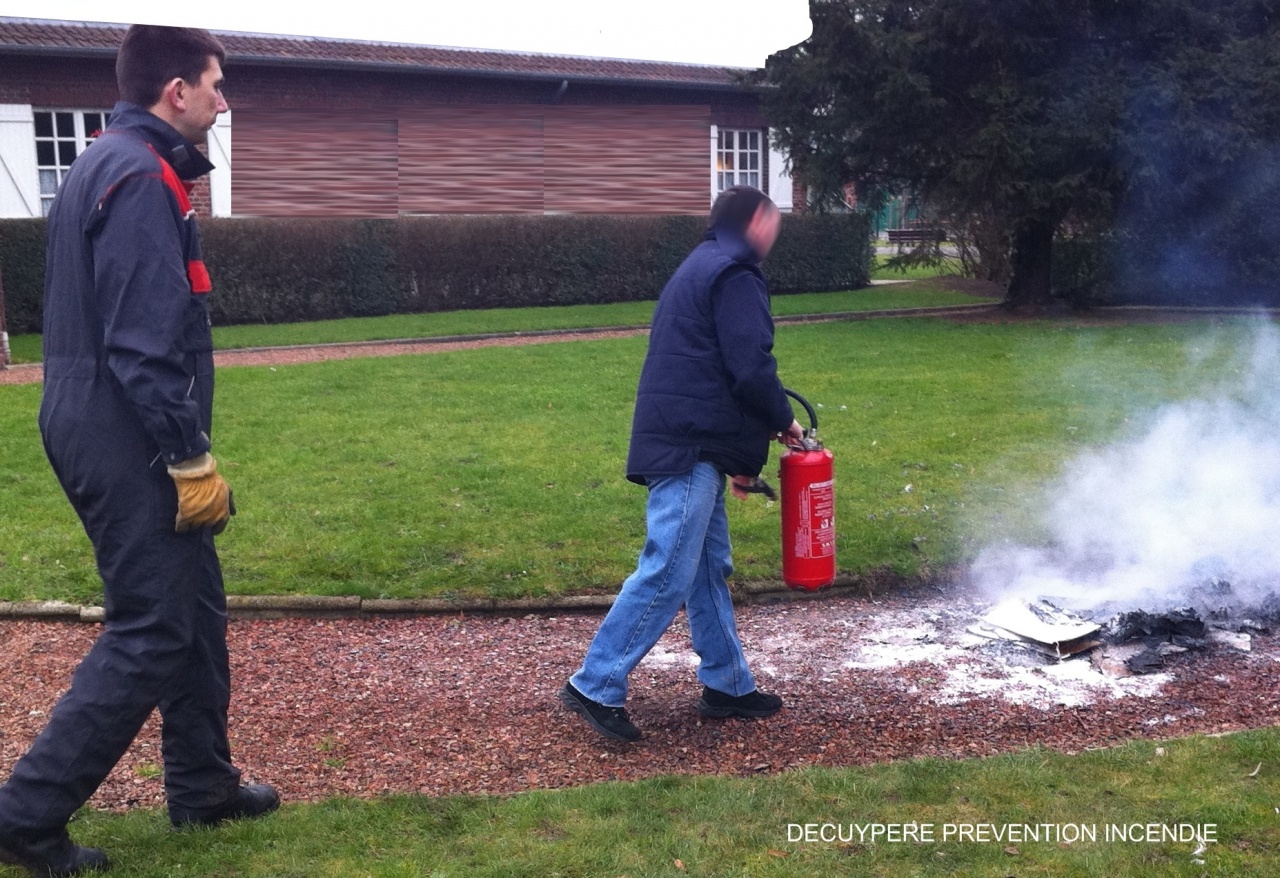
(125, 417)
(709, 399)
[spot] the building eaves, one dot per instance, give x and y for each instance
(96, 39)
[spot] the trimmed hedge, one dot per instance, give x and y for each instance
(513, 261)
(285, 270)
(819, 253)
(277, 271)
(22, 273)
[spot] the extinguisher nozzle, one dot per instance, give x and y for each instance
(759, 486)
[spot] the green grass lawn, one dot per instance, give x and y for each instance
(498, 471)
(879, 271)
(26, 348)
(720, 826)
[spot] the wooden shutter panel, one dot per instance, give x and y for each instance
(471, 159)
(19, 182)
(625, 159)
(315, 163)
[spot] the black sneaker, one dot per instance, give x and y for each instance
(54, 856)
(717, 705)
(612, 722)
(252, 800)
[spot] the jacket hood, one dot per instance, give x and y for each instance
(733, 245)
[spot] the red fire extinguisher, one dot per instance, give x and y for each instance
(806, 473)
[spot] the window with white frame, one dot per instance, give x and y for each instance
(737, 158)
(61, 135)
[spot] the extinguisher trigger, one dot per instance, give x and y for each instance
(810, 442)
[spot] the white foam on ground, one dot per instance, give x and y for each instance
(826, 641)
(663, 658)
(1072, 682)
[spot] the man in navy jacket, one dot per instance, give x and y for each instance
(708, 402)
(126, 418)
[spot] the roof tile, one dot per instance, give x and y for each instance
(25, 34)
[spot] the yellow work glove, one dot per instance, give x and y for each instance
(204, 499)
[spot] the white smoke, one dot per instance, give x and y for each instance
(1167, 517)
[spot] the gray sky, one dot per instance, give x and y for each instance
(738, 33)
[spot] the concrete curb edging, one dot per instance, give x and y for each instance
(352, 607)
(856, 316)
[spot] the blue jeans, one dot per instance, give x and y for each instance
(685, 562)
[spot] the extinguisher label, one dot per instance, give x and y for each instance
(816, 535)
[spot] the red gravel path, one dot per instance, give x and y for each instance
(32, 374)
(444, 705)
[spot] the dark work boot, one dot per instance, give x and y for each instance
(253, 800)
(718, 705)
(51, 856)
(612, 722)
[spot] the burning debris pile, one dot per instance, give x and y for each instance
(1041, 627)
(1132, 641)
(1162, 542)
(950, 646)
(1158, 635)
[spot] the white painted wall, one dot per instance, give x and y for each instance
(219, 144)
(779, 178)
(715, 138)
(19, 181)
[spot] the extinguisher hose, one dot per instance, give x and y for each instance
(813, 416)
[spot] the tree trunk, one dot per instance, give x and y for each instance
(1031, 260)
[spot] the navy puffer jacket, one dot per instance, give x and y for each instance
(709, 388)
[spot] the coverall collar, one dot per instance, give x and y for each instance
(187, 161)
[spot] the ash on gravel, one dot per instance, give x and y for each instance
(466, 704)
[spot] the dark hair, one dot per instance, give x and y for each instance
(152, 56)
(735, 207)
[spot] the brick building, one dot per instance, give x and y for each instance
(328, 128)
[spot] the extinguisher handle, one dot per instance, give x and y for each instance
(813, 416)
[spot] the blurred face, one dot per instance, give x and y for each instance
(763, 229)
(200, 102)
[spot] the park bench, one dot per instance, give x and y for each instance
(915, 236)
